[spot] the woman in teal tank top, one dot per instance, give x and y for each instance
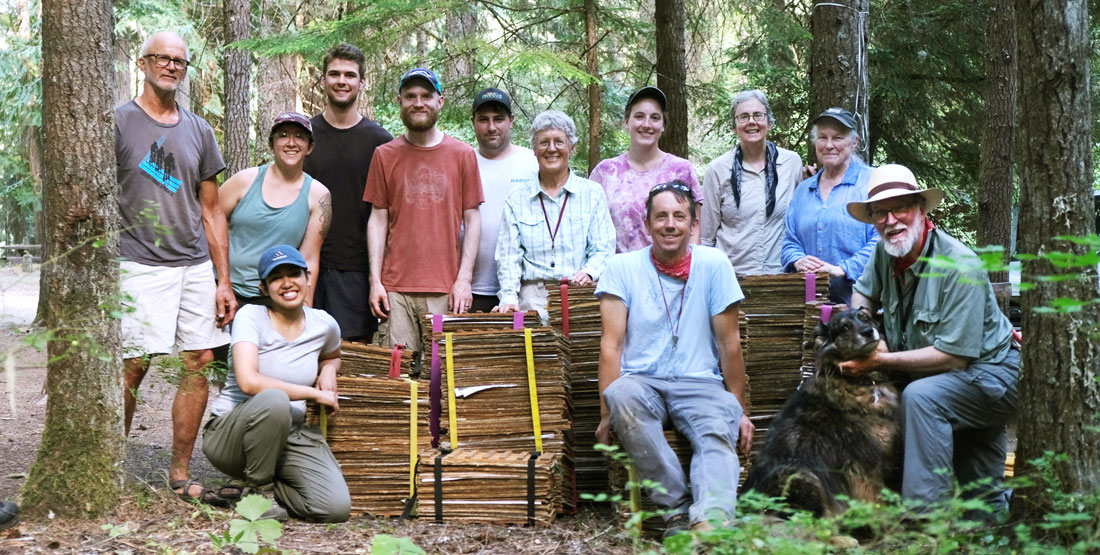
(275, 204)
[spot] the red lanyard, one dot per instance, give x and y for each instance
(668, 312)
(561, 212)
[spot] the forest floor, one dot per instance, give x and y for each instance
(150, 519)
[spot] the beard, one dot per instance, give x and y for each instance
(421, 125)
(902, 248)
(341, 103)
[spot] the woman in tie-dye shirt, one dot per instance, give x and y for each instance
(627, 178)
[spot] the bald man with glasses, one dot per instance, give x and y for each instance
(168, 162)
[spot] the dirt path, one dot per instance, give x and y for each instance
(151, 520)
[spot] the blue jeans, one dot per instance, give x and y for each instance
(955, 421)
(703, 411)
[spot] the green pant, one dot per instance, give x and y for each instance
(259, 443)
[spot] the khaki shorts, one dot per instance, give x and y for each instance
(405, 310)
(168, 309)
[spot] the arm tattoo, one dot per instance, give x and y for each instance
(326, 214)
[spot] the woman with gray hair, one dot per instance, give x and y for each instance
(555, 228)
(747, 190)
(821, 235)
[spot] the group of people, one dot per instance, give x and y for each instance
(349, 225)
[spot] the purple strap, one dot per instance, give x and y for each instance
(826, 312)
(435, 390)
(517, 320)
(811, 287)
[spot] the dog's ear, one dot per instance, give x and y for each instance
(820, 337)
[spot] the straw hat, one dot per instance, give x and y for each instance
(889, 181)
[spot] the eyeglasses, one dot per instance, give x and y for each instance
(162, 61)
(758, 117)
(300, 135)
(670, 185)
(899, 212)
(559, 144)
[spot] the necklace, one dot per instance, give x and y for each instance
(668, 312)
(554, 232)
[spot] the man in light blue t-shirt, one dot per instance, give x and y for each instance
(671, 352)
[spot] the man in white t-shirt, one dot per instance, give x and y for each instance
(502, 165)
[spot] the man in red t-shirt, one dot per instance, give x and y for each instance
(425, 187)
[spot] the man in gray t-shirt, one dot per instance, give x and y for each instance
(173, 242)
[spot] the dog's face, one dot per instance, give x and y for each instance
(849, 334)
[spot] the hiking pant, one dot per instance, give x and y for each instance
(955, 421)
(259, 443)
(703, 411)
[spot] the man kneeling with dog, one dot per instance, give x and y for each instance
(669, 323)
(944, 330)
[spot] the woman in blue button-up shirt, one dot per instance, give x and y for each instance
(821, 236)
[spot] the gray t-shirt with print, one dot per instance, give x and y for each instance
(160, 168)
(293, 362)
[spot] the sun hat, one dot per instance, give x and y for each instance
(890, 181)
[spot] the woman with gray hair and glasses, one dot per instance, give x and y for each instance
(555, 228)
(747, 189)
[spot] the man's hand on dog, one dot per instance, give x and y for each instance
(860, 366)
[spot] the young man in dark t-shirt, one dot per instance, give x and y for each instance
(345, 143)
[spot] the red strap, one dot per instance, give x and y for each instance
(395, 361)
(811, 287)
(517, 319)
(565, 306)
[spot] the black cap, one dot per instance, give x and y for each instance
(646, 92)
(493, 95)
(844, 117)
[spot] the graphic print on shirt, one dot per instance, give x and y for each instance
(425, 187)
(159, 164)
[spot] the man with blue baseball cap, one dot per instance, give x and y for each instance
(424, 187)
(283, 355)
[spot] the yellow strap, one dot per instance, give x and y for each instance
(413, 452)
(532, 389)
(451, 390)
(324, 422)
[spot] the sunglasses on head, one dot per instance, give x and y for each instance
(670, 185)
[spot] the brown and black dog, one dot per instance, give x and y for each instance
(837, 434)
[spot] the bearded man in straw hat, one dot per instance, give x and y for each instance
(944, 331)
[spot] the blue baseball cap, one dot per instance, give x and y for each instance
(277, 256)
(420, 73)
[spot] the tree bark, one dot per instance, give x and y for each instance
(838, 63)
(595, 101)
(77, 472)
(461, 28)
(672, 74)
(276, 77)
(1059, 393)
(238, 68)
(998, 137)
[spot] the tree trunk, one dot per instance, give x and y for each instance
(838, 63)
(238, 68)
(672, 74)
(123, 65)
(998, 137)
(1059, 393)
(461, 27)
(77, 472)
(276, 77)
(595, 101)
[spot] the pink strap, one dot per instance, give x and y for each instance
(435, 387)
(565, 306)
(826, 312)
(395, 361)
(811, 287)
(517, 320)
